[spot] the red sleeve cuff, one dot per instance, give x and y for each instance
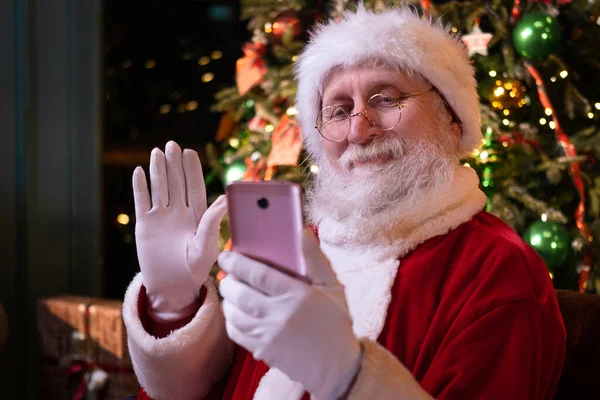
(158, 329)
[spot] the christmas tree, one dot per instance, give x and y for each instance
(537, 66)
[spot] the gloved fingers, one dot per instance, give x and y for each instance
(210, 222)
(203, 246)
(246, 324)
(175, 175)
(158, 179)
(141, 197)
(194, 181)
(245, 298)
(250, 343)
(318, 266)
(257, 275)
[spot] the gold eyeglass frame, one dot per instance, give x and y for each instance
(400, 102)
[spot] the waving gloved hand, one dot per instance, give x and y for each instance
(176, 235)
(304, 330)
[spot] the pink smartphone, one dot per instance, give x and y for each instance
(266, 223)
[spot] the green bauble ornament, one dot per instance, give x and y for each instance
(537, 35)
(550, 240)
(234, 171)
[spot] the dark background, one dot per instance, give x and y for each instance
(152, 53)
(82, 83)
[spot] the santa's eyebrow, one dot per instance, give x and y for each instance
(387, 88)
(380, 86)
(394, 85)
(337, 96)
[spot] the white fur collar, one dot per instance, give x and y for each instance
(357, 259)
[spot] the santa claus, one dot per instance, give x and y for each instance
(414, 292)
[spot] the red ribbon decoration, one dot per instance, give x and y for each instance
(518, 139)
(79, 367)
(82, 366)
(250, 68)
(570, 151)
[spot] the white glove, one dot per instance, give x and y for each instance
(176, 236)
(304, 330)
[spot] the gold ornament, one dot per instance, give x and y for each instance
(507, 95)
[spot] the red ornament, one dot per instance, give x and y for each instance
(286, 26)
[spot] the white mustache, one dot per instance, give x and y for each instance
(386, 148)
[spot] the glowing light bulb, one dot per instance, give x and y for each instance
(191, 106)
(123, 219)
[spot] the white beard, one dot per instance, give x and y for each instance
(366, 192)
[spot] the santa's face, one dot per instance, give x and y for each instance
(371, 170)
(351, 89)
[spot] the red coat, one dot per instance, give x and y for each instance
(473, 315)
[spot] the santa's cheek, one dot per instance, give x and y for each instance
(334, 150)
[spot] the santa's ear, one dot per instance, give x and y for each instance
(456, 131)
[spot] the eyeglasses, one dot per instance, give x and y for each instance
(383, 112)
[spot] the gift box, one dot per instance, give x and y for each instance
(107, 332)
(83, 349)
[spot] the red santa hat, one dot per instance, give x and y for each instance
(398, 37)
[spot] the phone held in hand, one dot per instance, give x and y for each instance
(266, 223)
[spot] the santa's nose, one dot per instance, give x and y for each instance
(362, 129)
